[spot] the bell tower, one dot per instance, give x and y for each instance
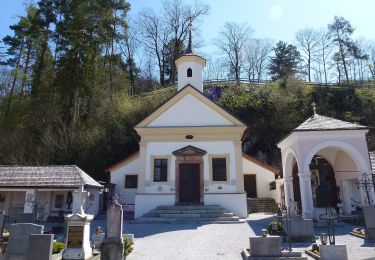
(190, 67)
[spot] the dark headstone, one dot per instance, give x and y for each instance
(40, 247)
(19, 237)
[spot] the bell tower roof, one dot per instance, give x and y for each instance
(189, 48)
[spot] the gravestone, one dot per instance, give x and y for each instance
(333, 252)
(78, 231)
(40, 247)
(368, 214)
(113, 245)
(19, 237)
(265, 246)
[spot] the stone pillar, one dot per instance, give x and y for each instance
(279, 183)
(28, 208)
(288, 186)
(142, 172)
(346, 194)
(306, 195)
(239, 170)
(113, 247)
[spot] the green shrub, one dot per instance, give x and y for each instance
(128, 247)
(57, 247)
(279, 226)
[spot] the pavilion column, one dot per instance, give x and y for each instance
(346, 194)
(306, 194)
(288, 186)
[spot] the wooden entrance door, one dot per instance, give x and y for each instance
(250, 184)
(189, 190)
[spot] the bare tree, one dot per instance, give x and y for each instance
(154, 38)
(371, 60)
(308, 42)
(257, 54)
(177, 17)
(231, 43)
(214, 69)
(325, 49)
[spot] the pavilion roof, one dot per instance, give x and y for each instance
(318, 122)
(62, 176)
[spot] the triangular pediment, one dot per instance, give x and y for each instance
(189, 108)
(189, 151)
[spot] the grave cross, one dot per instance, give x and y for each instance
(366, 183)
(329, 218)
(81, 195)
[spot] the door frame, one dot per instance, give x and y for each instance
(189, 155)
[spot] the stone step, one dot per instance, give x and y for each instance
(179, 215)
(200, 211)
(189, 207)
(187, 220)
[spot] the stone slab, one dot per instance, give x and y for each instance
(368, 214)
(19, 237)
(265, 246)
(333, 252)
(114, 221)
(40, 247)
(301, 230)
(370, 233)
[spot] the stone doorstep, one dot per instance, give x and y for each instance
(186, 207)
(284, 255)
(195, 211)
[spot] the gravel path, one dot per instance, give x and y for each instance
(220, 241)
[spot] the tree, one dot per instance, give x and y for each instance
(325, 49)
(168, 28)
(340, 32)
(285, 61)
(231, 43)
(308, 41)
(257, 54)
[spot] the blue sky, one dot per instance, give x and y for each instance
(276, 19)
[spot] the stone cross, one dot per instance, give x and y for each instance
(81, 194)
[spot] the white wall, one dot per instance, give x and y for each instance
(212, 148)
(144, 203)
(197, 78)
(235, 203)
(198, 114)
(263, 178)
(118, 178)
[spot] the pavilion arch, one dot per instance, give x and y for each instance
(360, 163)
(288, 160)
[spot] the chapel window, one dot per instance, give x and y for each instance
(189, 72)
(219, 169)
(160, 170)
(131, 181)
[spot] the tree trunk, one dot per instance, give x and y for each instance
(16, 69)
(24, 79)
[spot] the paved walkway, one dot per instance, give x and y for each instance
(220, 241)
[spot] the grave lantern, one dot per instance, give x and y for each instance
(323, 238)
(264, 232)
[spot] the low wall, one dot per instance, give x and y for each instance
(146, 202)
(234, 202)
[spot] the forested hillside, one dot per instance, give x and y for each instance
(71, 90)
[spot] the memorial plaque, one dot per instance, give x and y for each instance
(75, 237)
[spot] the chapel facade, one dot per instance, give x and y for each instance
(190, 153)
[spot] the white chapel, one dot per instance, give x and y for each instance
(190, 153)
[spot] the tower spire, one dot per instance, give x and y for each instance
(189, 49)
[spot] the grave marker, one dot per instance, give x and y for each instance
(40, 247)
(368, 214)
(113, 245)
(19, 237)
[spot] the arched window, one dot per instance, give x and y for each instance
(189, 72)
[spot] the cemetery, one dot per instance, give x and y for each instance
(204, 176)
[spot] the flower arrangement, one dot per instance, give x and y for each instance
(359, 231)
